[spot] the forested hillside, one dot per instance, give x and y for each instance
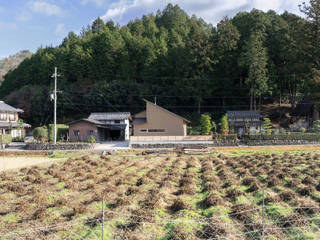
(11, 62)
(188, 64)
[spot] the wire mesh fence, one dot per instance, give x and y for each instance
(267, 222)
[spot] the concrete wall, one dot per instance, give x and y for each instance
(158, 118)
(83, 128)
(169, 138)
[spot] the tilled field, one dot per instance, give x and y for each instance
(165, 197)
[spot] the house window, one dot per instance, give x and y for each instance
(90, 132)
(3, 116)
(76, 133)
(143, 130)
(11, 117)
(156, 130)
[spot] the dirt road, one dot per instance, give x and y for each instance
(12, 162)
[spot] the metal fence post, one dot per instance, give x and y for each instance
(102, 223)
(263, 214)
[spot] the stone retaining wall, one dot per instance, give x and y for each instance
(278, 142)
(70, 146)
(181, 145)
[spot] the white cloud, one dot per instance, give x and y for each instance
(98, 3)
(48, 9)
(60, 30)
(24, 16)
(7, 26)
(211, 10)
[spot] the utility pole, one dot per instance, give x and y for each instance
(55, 75)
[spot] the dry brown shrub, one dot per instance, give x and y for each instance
(211, 186)
(141, 216)
(214, 229)
(306, 191)
(85, 158)
(172, 178)
(287, 196)
(308, 180)
(180, 204)
(131, 235)
(272, 199)
(40, 213)
(143, 180)
(165, 184)
(80, 209)
(191, 173)
(293, 183)
(248, 181)
(121, 201)
(273, 181)
(212, 200)
(294, 220)
(34, 171)
(243, 212)
(254, 187)
(234, 193)
(22, 206)
(155, 200)
(186, 181)
(133, 190)
(189, 189)
(72, 185)
(16, 188)
(179, 233)
(307, 206)
(61, 201)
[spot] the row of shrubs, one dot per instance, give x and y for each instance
(46, 132)
(223, 137)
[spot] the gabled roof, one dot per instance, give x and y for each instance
(85, 120)
(244, 114)
(102, 116)
(176, 115)
(7, 108)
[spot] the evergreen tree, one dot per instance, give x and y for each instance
(224, 124)
(206, 124)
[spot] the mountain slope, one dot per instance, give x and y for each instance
(12, 62)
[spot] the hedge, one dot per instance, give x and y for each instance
(292, 136)
(5, 138)
(62, 131)
(223, 137)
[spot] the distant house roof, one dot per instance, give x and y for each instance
(7, 108)
(176, 115)
(13, 124)
(85, 120)
(244, 114)
(303, 108)
(102, 116)
(99, 124)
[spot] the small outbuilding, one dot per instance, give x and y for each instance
(105, 126)
(245, 122)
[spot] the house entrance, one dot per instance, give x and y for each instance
(106, 134)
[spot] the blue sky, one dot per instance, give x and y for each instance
(29, 24)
